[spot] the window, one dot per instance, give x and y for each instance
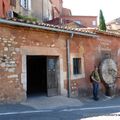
(105, 54)
(24, 3)
(94, 23)
(13, 2)
(76, 66)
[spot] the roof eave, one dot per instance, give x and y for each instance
(9, 22)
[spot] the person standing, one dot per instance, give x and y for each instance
(95, 81)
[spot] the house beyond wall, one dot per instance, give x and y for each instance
(4, 8)
(22, 48)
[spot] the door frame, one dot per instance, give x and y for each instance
(40, 51)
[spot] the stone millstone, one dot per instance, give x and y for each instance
(108, 71)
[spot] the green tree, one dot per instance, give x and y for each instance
(102, 25)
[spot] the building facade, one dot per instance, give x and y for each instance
(40, 9)
(22, 7)
(79, 21)
(34, 59)
(57, 7)
(86, 21)
(4, 8)
(43, 10)
(114, 25)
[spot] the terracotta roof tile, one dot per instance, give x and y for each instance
(83, 30)
(108, 32)
(50, 25)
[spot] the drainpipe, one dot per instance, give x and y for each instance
(68, 65)
(42, 11)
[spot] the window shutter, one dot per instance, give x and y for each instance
(13, 2)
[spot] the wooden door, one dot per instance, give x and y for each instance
(52, 79)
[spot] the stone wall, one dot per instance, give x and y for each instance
(92, 49)
(17, 42)
(10, 85)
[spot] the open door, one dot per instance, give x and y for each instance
(52, 79)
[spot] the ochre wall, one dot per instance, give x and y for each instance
(4, 8)
(86, 21)
(12, 39)
(91, 50)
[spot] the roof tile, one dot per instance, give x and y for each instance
(84, 30)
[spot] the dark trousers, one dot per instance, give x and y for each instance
(95, 90)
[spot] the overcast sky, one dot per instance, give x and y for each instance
(110, 8)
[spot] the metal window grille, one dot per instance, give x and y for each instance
(24, 3)
(76, 66)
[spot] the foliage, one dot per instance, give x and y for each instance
(102, 25)
(29, 18)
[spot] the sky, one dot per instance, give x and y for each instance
(110, 8)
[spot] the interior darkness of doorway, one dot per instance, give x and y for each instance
(36, 75)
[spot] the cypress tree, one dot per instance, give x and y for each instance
(102, 25)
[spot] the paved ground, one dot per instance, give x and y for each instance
(44, 102)
(60, 101)
(51, 102)
(62, 108)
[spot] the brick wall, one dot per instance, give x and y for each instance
(87, 21)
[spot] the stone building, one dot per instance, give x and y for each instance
(80, 21)
(43, 59)
(4, 8)
(114, 25)
(57, 8)
(40, 9)
(43, 10)
(85, 21)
